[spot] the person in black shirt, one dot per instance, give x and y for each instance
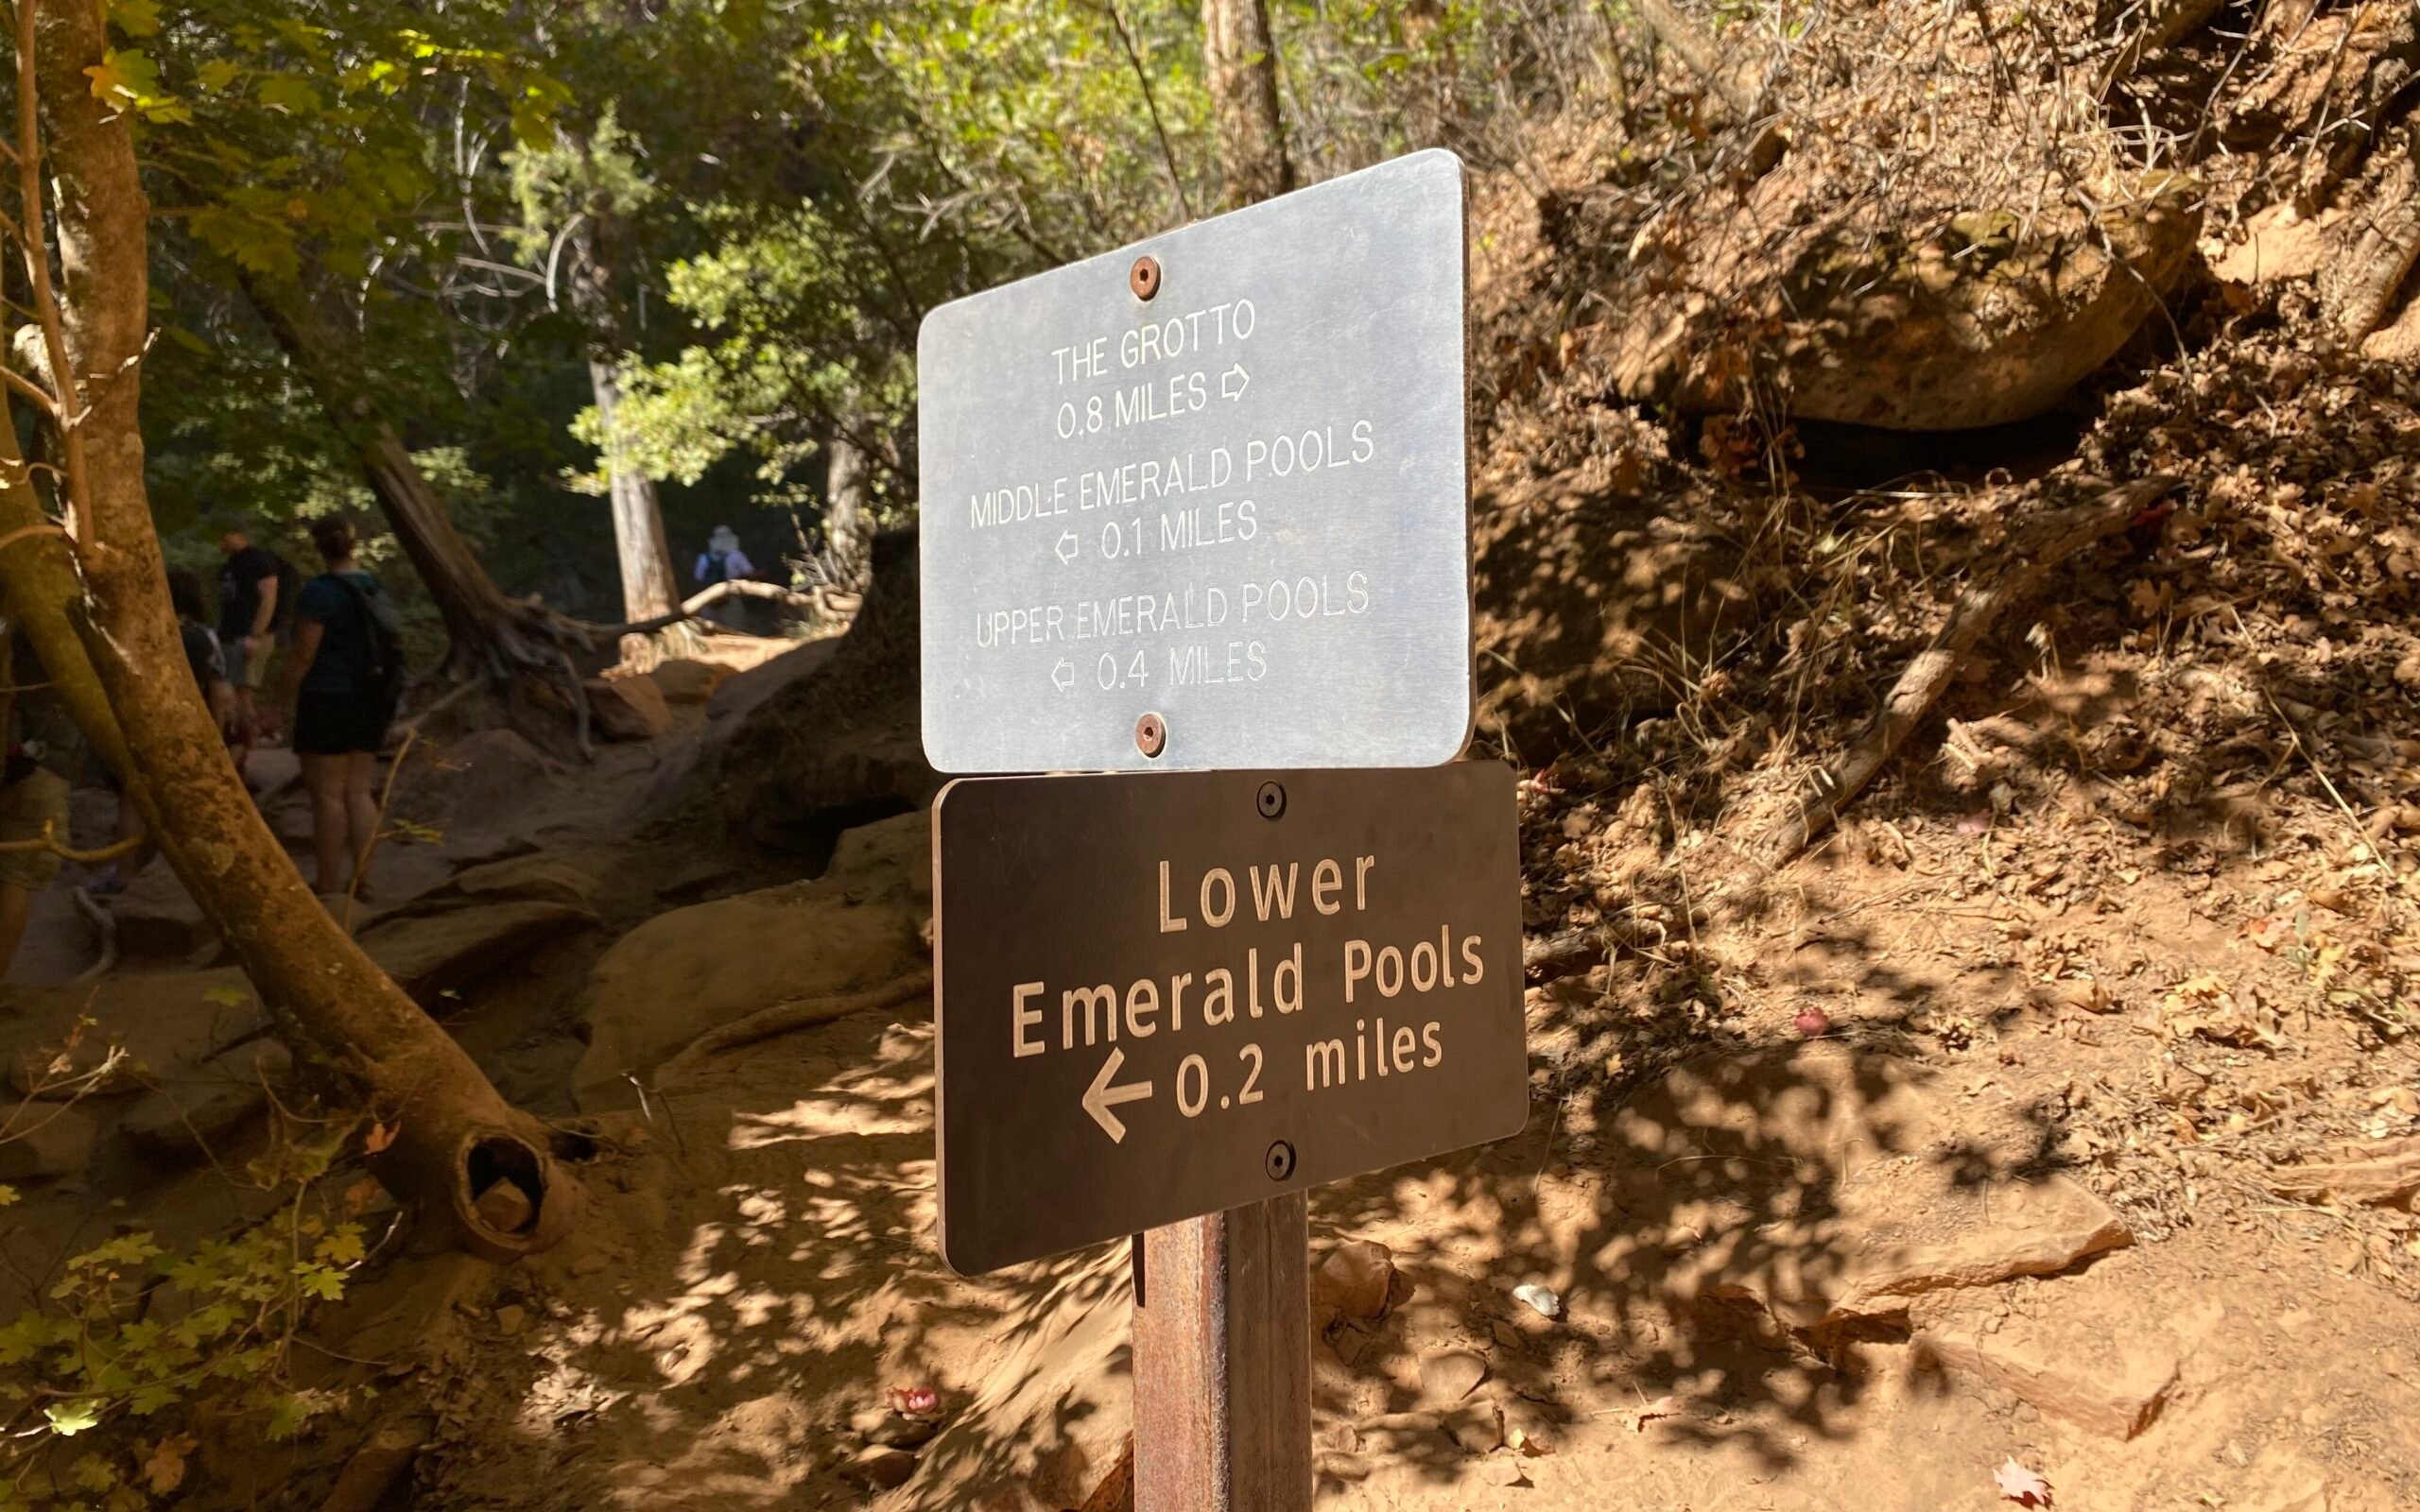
(248, 611)
(339, 723)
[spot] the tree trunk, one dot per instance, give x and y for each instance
(639, 543)
(848, 510)
(1242, 64)
(488, 634)
(455, 1138)
(648, 586)
(37, 584)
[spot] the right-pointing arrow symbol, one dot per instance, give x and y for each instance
(1101, 1096)
(1233, 382)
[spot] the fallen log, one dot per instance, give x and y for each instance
(2036, 548)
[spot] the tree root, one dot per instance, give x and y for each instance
(784, 1017)
(104, 928)
(2035, 549)
(380, 1462)
(2358, 288)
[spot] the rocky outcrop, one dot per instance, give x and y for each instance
(1823, 1190)
(681, 973)
(1986, 320)
(189, 1118)
(2079, 1349)
(831, 729)
(429, 954)
(630, 708)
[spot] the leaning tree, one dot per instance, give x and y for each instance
(80, 568)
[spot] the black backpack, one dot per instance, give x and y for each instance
(380, 668)
(290, 587)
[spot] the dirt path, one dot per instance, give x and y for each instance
(759, 1274)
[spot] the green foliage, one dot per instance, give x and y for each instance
(137, 1353)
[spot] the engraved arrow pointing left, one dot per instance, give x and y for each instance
(1100, 1097)
(1067, 547)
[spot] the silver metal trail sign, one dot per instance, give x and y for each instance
(1202, 503)
(1165, 996)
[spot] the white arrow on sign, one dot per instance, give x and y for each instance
(1062, 677)
(1100, 1097)
(1067, 547)
(1233, 382)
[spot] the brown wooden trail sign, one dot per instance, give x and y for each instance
(1166, 996)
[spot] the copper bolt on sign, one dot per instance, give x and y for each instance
(1150, 734)
(1144, 277)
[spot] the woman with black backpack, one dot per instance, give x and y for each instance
(343, 677)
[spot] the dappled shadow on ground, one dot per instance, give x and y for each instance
(1713, 1233)
(760, 1271)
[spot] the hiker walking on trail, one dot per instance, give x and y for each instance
(254, 603)
(344, 678)
(722, 561)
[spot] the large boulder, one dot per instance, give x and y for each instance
(189, 1118)
(629, 708)
(683, 680)
(858, 926)
(429, 954)
(50, 1141)
(158, 920)
(828, 737)
(475, 780)
(1988, 318)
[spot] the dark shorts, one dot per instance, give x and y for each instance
(337, 724)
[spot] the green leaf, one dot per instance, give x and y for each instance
(284, 1416)
(213, 76)
(70, 1418)
(254, 242)
(289, 93)
(135, 18)
(124, 77)
(321, 1282)
(343, 1246)
(19, 1340)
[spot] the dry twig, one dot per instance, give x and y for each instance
(2037, 549)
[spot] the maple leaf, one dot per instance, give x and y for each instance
(165, 1469)
(2021, 1485)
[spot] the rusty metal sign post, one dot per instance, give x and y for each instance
(1198, 506)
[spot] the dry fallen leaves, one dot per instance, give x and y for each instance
(2021, 1485)
(165, 1469)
